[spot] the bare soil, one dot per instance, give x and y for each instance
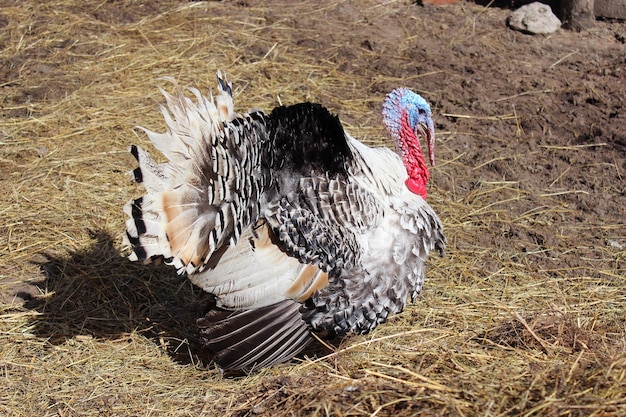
(524, 316)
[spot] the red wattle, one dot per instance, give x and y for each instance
(413, 157)
(416, 187)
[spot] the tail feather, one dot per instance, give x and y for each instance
(255, 338)
(208, 190)
(149, 173)
(224, 98)
(144, 230)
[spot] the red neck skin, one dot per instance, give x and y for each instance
(413, 158)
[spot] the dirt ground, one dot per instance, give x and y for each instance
(525, 315)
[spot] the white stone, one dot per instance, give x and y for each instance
(534, 18)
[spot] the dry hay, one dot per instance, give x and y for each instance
(509, 324)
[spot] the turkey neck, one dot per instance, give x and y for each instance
(378, 169)
(412, 156)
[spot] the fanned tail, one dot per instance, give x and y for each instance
(208, 190)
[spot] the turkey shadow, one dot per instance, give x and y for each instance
(97, 292)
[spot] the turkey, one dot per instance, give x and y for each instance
(295, 228)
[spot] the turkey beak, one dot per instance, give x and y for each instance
(426, 130)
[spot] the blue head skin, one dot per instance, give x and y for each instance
(408, 117)
(419, 117)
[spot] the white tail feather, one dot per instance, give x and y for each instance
(191, 208)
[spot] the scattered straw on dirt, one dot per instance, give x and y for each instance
(524, 316)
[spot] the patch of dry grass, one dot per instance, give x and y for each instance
(85, 332)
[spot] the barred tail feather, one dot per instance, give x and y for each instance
(187, 122)
(144, 228)
(205, 194)
(144, 231)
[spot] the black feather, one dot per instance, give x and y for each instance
(137, 247)
(225, 86)
(307, 138)
(134, 152)
(137, 213)
(254, 338)
(137, 174)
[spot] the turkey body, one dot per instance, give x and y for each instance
(294, 227)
